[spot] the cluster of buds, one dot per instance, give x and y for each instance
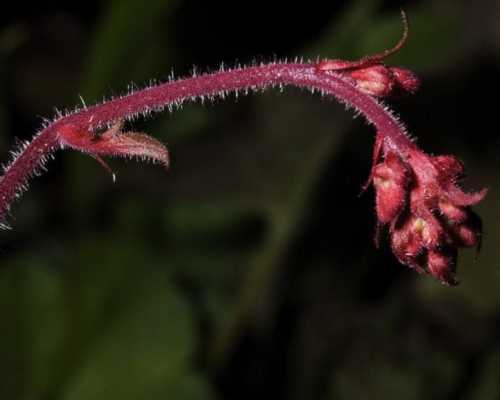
(429, 216)
(417, 196)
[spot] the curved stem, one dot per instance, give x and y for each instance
(171, 94)
(27, 162)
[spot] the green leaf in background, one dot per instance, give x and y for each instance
(96, 326)
(488, 384)
(434, 35)
(11, 37)
(123, 38)
(144, 354)
(34, 327)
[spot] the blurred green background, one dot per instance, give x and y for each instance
(249, 269)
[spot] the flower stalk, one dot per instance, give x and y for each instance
(417, 196)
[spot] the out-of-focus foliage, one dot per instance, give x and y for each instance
(249, 269)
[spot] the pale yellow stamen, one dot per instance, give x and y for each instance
(382, 182)
(419, 225)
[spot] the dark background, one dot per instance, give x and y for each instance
(249, 269)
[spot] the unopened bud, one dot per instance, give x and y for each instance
(441, 264)
(454, 214)
(449, 168)
(391, 180)
(407, 243)
(406, 81)
(467, 236)
(376, 80)
(382, 81)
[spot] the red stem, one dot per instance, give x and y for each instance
(156, 98)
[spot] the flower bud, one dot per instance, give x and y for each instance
(466, 236)
(375, 80)
(450, 168)
(407, 243)
(390, 179)
(441, 264)
(468, 233)
(454, 214)
(406, 81)
(382, 81)
(430, 231)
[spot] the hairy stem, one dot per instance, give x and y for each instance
(153, 99)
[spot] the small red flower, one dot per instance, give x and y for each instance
(391, 180)
(429, 216)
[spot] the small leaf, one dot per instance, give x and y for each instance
(114, 143)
